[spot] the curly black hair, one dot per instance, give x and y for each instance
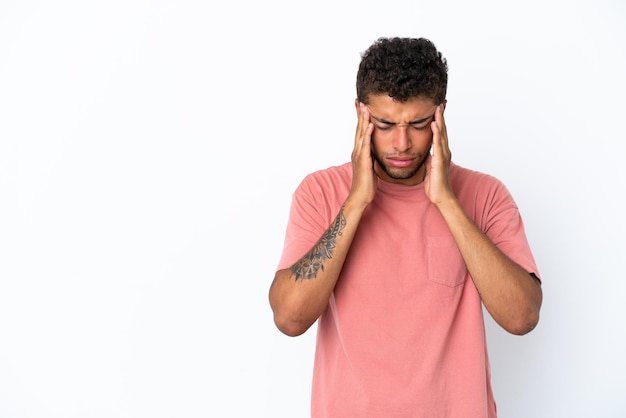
(403, 68)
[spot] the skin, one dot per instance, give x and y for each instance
(393, 141)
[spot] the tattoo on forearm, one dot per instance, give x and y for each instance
(313, 261)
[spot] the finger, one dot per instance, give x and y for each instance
(442, 125)
(357, 134)
(361, 122)
(440, 135)
(365, 119)
(366, 127)
(435, 127)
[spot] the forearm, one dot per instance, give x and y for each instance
(300, 294)
(510, 294)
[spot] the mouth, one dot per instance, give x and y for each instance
(400, 161)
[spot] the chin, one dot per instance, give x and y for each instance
(405, 173)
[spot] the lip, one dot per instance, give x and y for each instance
(400, 162)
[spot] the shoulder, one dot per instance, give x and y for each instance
(477, 185)
(328, 178)
(465, 177)
(324, 191)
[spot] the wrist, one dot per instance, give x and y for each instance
(355, 205)
(448, 205)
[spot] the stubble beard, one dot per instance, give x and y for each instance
(399, 173)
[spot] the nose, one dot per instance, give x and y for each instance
(401, 140)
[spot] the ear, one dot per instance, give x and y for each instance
(356, 106)
(444, 104)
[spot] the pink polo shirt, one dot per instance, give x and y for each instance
(403, 334)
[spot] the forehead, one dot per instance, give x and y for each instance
(385, 107)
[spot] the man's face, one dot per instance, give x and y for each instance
(402, 137)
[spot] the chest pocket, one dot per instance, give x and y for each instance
(445, 263)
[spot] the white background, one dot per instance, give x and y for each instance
(149, 149)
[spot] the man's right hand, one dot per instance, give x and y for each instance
(300, 294)
(363, 175)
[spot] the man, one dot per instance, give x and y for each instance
(395, 251)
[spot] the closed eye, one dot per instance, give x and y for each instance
(389, 127)
(418, 125)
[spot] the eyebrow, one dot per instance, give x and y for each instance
(415, 122)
